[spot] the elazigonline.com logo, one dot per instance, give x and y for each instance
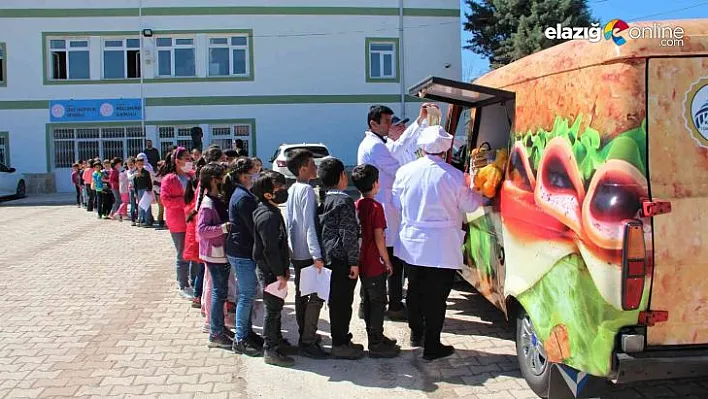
(617, 30)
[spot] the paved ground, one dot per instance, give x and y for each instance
(90, 309)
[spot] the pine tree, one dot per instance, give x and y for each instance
(506, 30)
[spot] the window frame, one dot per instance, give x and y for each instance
(101, 139)
(3, 67)
(173, 60)
(231, 47)
(232, 136)
(396, 67)
(68, 50)
(124, 49)
(5, 138)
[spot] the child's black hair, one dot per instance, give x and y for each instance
(297, 159)
(96, 163)
(266, 183)
(210, 171)
(231, 153)
(330, 171)
(191, 189)
(364, 177)
(115, 161)
(75, 165)
(213, 154)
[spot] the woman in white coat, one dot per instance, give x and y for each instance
(432, 198)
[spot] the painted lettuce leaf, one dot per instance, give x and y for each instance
(590, 153)
(479, 245)
(567, 296)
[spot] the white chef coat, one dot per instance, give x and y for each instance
(433, 199)
(404, 149)
(373, 151)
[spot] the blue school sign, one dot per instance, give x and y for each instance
(124, 109)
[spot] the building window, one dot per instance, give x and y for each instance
(121, 58)
(69, 58)
(3, 65)
(175, 57)
(225, 135)
(72, 144)
(228, 56)
(174, 136)
(5, 148)
(382, 60)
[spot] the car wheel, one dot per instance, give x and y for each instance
(21, 189)
(533, 362)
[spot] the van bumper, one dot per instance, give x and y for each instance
(661, 365)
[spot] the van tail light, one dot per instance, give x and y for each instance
(281, 164)
(634, 265)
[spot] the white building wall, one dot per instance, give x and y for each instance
(299, 55)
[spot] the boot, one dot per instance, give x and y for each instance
(382, 347)
(348, 351)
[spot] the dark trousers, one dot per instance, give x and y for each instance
(219, 273)
(428, 289)
(107, 202)
(272, 323)
(100, 198)
(395, 282)
(197, 277)
(373, 297)
(341, 297)
(133, 206)
(78, 195)
(307, 308)
(91, 200)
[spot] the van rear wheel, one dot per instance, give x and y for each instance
(533, 362)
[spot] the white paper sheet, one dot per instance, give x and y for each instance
(273, 290)
(145, 201)
(314, 281)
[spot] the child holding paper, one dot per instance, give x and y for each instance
(340, 241)
(270, 251)
(305, 246)
(375, 265)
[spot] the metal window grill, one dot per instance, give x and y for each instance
(166, 132)
(64, 154)
(88, 133)
(87, 149)
(242, 130)
(113, 148)
(113, 132)
(136, 131)
(221, 131)
(135, 146)
(3, 151)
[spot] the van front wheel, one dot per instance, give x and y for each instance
(533, 362)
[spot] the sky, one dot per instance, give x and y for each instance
(605, 10)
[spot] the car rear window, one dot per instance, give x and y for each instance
(318, 152)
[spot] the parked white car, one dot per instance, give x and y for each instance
(280, 157)
(12, 182)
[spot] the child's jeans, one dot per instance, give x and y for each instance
(181, 265)
(197, 275)
(86, 190)
(245, 272)
(220, 285)
(144, 216)
(206, 299)
(124, 199)
(78, 195)
(99, 202)
(341, 298)
(117, 201)
(374, 299)
(133, 206)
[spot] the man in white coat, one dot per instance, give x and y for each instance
(373, 150)
(433, 198)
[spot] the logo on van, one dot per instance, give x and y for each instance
(619, 26)
(619, 32)
(696, 111)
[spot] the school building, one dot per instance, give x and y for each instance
(99, 78)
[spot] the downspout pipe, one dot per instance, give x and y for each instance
(142, 69)
(402, 61)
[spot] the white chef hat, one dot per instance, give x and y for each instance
(434, 140)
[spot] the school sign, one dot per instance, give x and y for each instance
(105, 110)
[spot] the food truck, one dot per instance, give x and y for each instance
(593, 161)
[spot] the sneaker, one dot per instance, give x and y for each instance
(382, 350)
(133, 224)
(197, 302)
(206, 328)
(277, 358)
(348, 351)
(222, 342)
(248, 348)
(256, 339)
(313, 351)
(187, 293)
(230, 334)
(439, 353)
(389, 341)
